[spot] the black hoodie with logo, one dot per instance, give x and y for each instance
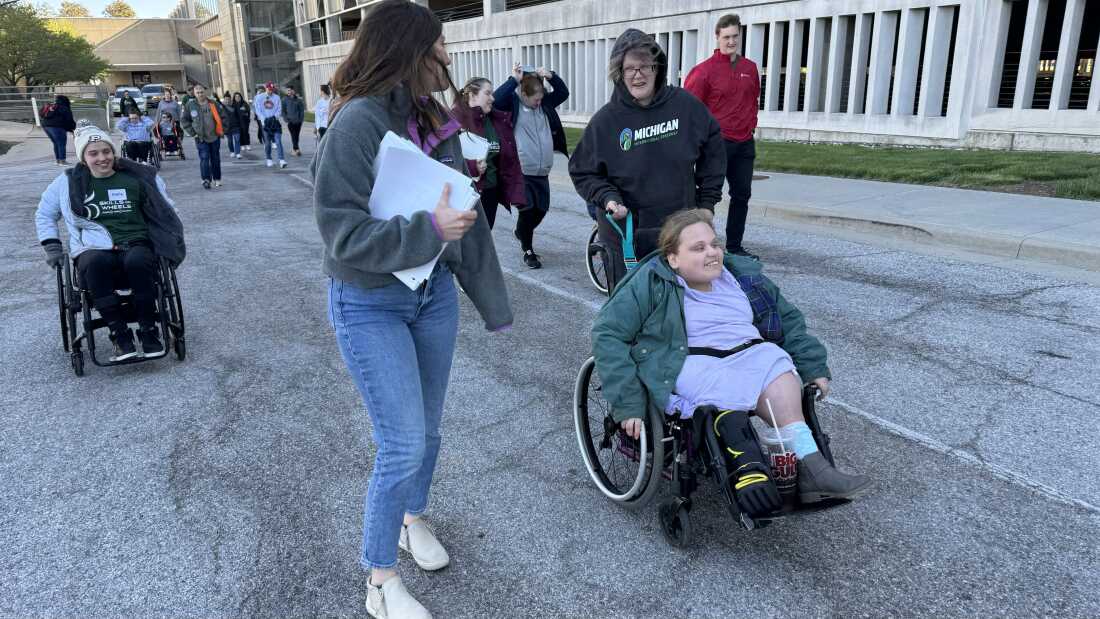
(655, 160)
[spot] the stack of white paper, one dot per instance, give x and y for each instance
(406, 181)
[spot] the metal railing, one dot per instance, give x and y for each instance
(20, 103)
(461, 10)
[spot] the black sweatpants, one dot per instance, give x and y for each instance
(102, 271)
(295, 131)
(537, 189)
(740, 157)
(490, 200)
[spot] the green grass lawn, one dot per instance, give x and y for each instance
(1063, 175)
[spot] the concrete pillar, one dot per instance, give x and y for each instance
(676, 70)
(935, 60)
(775, 58)
(999, 16)
(794, 65)
(861, 51)
(905, 73)
(755, 51)
(834, 80)
(882, 56)
(1094, 89)
(1066, 64)
(332, 24)
(1029, 55)
(818, 61)
(492, 6)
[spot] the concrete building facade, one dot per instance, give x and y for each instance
(143, 51)
(1005, 74)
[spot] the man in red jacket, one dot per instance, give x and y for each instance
(729, 85)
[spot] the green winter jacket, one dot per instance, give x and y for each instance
(640, 338)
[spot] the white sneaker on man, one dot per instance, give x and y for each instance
(269, 163)
(217, 183)
(392, 601)
(282, 163)
(419, 541)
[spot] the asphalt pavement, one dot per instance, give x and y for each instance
(232, 483)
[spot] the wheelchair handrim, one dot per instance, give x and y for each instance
(584, 443)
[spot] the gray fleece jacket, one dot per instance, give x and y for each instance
(364, 250)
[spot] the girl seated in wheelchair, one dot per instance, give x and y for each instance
(119, 219)
(694, 326)
(168, 133)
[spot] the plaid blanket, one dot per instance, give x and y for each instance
(766, 318)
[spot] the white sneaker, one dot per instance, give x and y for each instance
(282, 163)
(269, 163)
(419, 541)
(217, 183)
(392, 601)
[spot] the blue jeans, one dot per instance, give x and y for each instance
(233, 141)
(276, 137)
(58, 137)
(398, 345)
(210, 159)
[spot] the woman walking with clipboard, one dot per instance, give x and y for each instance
(397, 342)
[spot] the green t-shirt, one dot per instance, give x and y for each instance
(117, 207)
(489, 178)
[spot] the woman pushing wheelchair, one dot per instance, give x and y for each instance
(693, 326)
(119, 219)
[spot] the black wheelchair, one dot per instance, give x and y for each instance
(672, 452)
(152, 159)
(73, 300)
(595, 260)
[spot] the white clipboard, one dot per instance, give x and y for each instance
(408, 181)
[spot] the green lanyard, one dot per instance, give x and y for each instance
(628, 239)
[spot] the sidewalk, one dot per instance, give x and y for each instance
(1054, 230)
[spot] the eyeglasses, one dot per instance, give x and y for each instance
(644, 71)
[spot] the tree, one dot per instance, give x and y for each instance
(119, 8)
(33, 55)
(72, 9)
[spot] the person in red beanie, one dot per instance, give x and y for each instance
(729, 85)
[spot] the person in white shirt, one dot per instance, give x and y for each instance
(320, 112)
(268, 107)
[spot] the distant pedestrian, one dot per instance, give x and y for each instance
(202, 120)
(499, 176)
(259, 121)
(187, 96)
(539, 133)
(57, 122)
(268, 108)
(127, 104)
(244, 118)
(294, 113)
(232, 126)
(398, 343)
(320, 112)
(729, 85)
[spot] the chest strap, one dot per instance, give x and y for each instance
(722, 354)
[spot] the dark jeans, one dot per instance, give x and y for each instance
(537, 189)
(58, 137)
(295, 131)
(103, 271)
(739, 160)
(645, 241)
(210, 159)
(138, 151)
(490, 200)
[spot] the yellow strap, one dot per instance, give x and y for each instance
(750, 479)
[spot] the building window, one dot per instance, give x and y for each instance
(317, 34)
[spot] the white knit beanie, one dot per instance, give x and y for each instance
(86, 133)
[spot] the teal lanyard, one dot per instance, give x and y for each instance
(628, 239)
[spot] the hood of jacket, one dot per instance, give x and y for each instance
(661, 92)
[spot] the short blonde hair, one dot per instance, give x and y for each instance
(669, 240)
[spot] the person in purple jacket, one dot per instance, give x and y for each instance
(499, 176)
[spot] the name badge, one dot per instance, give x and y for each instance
(116, 195)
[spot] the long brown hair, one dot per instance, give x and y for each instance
(669, 241)
(472, 87)
(395, 47)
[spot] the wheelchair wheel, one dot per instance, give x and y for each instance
(180, 346)
(62, 307)
(675, 520)
(154, 155)
(626, 470)
(71, 300)
(596, 271)
(77, 359)
(172, 308)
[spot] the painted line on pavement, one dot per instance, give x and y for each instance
(928, 442)
(304, 180)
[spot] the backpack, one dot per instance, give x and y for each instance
(47, 110)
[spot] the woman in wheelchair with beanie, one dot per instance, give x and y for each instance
(119, 219)
(652, 150)
(695, 326)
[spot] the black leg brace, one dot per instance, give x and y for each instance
(749, 473)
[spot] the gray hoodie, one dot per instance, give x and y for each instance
(364, 250)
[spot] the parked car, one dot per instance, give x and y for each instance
(134, 92)
(154, 94)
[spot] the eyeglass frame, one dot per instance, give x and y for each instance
(631, 72)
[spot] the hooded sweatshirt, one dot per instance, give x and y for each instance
(655, 159)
